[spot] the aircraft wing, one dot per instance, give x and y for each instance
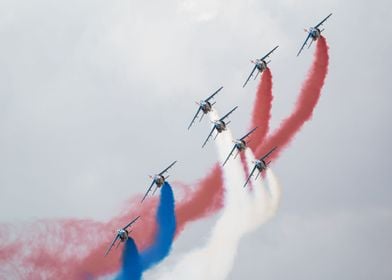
(231, 152)
(209, 136)
(111, 246)
(318, 25)
(156, 187)
(250, 175)
(149, 189)
(167, 168)
(194, 118)
(267, 154)
(134, 220)
(269, 53)
(249, 133)
(300, 50)
(225, 116)
(212, 95)
(251, 73)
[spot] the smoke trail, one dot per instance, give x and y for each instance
(134, 263)
(261, 110)
(166, 220)
(308, 98)
(131, 266)
(84, 251)
(243, 212)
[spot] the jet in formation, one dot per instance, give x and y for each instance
(205, 106)
(313, 33)
(158, 179)
(260, 165)
(260, 65)
(122, 235)
(219, 125)
(239, 145)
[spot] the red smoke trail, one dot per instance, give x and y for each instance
(261, 111)
(261, 115)
(42, 260)
(206, 199)
(307, 101)
(93, 237)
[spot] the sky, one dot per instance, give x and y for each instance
(97, 95)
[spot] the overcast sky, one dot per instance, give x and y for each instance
(96, 95)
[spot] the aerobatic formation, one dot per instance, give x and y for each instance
(148, 239)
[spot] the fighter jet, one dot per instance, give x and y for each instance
(260, 65)
(313, 33)
(158, 180)
(205, 106)
(260, 165)
(219, 125)
(122, 234)
(240, 145)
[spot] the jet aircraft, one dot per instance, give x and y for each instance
(205, 106)
(260, 65)
(240, 145)
(122, 235)
(260, 165)
(313, 33)
(219, 125)
(158, 180)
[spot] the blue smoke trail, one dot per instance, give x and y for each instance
(131, 267)
(166, 221)
(134, 264)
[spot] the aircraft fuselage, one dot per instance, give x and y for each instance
(205, 106)
(315, 33)
(122, 234)
(220, 126)
(261, 65)
(240, 145)
(159, 180)
(261, 165)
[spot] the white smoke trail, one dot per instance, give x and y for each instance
(244, 211)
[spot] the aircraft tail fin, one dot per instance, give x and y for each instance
(202, 115)
(310, 43)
